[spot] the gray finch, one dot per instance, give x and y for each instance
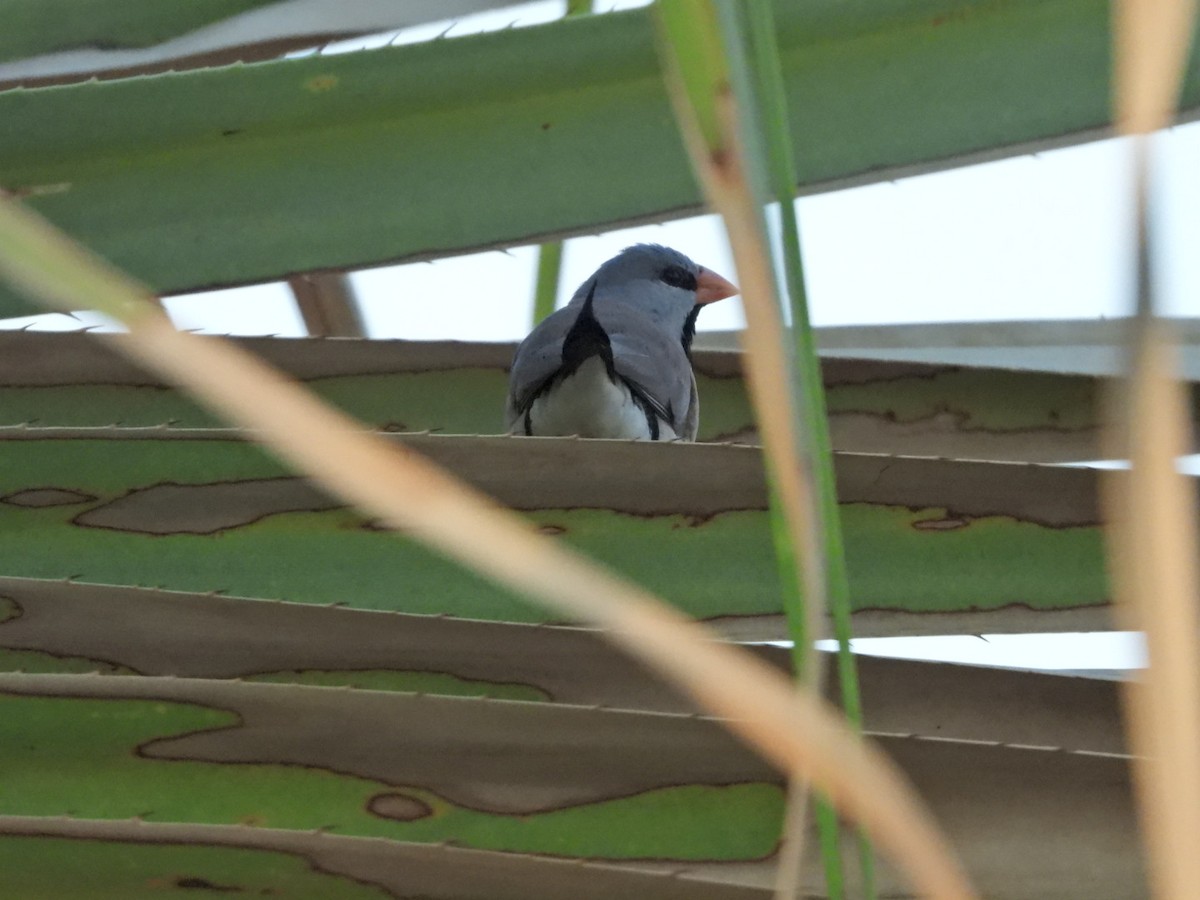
(615, 362)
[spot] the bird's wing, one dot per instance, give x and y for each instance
(653, 361)
(691, 419)
(538, 357)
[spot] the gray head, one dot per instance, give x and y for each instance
(660, 281)
(646, 263)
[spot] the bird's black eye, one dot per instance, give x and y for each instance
(678, 276)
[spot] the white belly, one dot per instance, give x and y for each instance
(587, 403)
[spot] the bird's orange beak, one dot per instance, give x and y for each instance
(711, 287)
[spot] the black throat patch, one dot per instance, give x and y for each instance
(587, 338)
(689, 330)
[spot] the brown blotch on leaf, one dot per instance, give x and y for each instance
(169, 508)
(41, 497)
(399, 807)
(946, 524)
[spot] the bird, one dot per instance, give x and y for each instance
(615, 362)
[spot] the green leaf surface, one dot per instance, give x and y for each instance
(250, 173)
(220, 637)
(43, 868)
(928, 536)
(38, 661)
(154, 860)
(282, 761)
(116, 759)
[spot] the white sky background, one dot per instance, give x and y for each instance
(1033, 237)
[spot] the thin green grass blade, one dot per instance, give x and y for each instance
(709, 46)
(701, 65)
(768, 71)
(692, 33)
(762, 107)
(809, 390)
(549, 273)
